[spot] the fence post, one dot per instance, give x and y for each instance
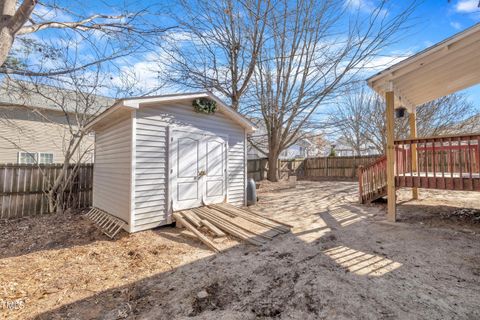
(327, 160)
(360, 183)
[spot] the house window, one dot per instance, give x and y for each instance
(35, 157)
(45, 158)
(27, 157)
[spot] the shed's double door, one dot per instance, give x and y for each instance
(198, 169)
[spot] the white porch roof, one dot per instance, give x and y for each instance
(442, 69)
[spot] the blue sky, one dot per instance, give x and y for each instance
(433, 21)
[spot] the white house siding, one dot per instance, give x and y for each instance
(24, 129)
(151, 179)
(112, 170)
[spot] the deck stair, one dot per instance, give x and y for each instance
(372, 181)
(211, 222)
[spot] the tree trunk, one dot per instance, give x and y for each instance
(6, 41)
(60, 202)
(51, 201)
(7, 10)
(235, 103)
(272, 173)
(12, 18)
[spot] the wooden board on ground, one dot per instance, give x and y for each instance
(223, 219)
(190, 227)
(211, 227)
(252, 216)
(244, 224)
(230, 228)
(192, 217)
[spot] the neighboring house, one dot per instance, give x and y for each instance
(303, 148)
(156, 155)
(343, 149)
(470, 125)
(34, 129)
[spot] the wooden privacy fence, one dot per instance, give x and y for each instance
(335, 167)
(23, 188)
(258, 168)
(312, 168)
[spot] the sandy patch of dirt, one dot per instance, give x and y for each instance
(440, 208)
(341, 261)
(267, 186)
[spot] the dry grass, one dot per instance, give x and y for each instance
(52, 260)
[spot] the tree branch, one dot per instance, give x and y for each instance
(80, 25)
(21, 16)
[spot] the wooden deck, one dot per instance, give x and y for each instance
(444, 181)
(446, 162)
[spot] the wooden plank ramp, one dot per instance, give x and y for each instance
(178, 216)
(107, 223)
(215, 221)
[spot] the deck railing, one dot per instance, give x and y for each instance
(372, 180)
(445, 162)
(436, 159)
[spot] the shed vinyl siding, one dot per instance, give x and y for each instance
(151, 175)
(111, 182)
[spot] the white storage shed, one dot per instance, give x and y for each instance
(156, 155)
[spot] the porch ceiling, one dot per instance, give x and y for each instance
(445, 68)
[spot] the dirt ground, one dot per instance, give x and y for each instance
(341, 261)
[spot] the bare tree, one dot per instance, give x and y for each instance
(443, 116)
(361, 115)
(18, 21)
(76, 96)
(216, 45)
(348, 117)
(70, 68)
(76, 100)
(313, 49)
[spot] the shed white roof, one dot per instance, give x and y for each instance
(447, 67)
(136, 103)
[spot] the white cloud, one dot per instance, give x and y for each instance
(367, 6)
(141, 75)
(456, 25)
(382, 62)
(467, 6)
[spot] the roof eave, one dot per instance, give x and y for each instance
(428, 51)
(117, 105)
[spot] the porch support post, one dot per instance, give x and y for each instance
(391, 197)
(413, 135)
